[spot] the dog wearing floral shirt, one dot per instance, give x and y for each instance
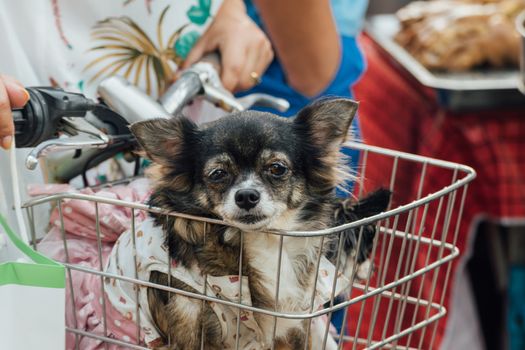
(258, 173)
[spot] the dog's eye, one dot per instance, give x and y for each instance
(277, 169)
(217, 175)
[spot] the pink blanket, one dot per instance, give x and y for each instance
(82, 247)
(84, 300)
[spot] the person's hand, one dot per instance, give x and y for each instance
(12, 95)
(245, 50)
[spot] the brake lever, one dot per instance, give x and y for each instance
(222, 98)
(192, 83)
(84, 135)
(202, 80)
(263, 100)
(40, 119)
(225, 100)
(47, 113)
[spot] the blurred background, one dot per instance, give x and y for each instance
(448, 85)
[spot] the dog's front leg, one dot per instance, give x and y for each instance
(180, 319)
(186, 331)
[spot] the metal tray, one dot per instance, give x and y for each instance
(473, 90)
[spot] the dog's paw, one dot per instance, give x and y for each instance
(364, 270)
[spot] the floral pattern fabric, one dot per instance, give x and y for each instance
(74, 44)
(146, 252)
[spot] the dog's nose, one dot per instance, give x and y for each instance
(247, 198)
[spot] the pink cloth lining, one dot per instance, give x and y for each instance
(84, 309)
(83, 250)
(79, 215)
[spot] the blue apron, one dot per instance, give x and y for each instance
(351, 67)
(348, 16)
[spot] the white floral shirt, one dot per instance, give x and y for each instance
(151, 254)
(74, 44)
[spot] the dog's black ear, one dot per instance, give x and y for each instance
(327, 121)
(373, 204)
(163, 140)
(348, 211)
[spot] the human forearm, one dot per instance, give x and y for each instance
(305, 40)
(245, 50)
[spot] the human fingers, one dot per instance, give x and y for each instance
(201, 47)
(251, 73)
(12, 95)
(258, 57)
(18, 95)
(233, 58)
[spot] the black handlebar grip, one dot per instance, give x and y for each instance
(40, 119)
(29, 122)
(19, 120)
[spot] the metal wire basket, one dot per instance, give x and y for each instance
(396, 306)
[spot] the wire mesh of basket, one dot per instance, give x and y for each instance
(397, 304)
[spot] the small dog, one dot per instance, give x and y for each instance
(257, 172)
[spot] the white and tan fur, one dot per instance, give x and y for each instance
(299, 199)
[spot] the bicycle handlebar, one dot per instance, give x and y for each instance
(48, 113)
(39, 120)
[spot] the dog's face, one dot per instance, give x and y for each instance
(252, 169)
